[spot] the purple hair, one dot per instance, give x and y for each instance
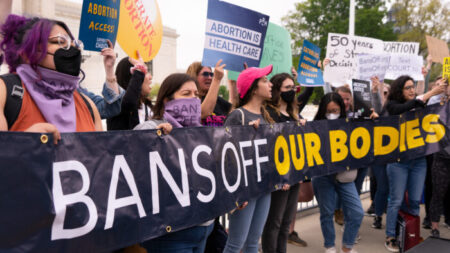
(26, 38)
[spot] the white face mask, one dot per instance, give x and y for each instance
(331, 116)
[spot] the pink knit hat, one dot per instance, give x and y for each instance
(248, 76)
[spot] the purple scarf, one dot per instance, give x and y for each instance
(53, 95)
(183, 112)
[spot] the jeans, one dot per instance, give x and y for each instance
(382, 192)
(190, 240)
(404, 176)
(283, 207)
(325, 190)
(246, 226)
(359, 180)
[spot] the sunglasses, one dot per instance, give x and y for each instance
(208, 74)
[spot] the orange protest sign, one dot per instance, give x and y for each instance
(437, 48)
(140, 28)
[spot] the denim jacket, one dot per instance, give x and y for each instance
(109, 105)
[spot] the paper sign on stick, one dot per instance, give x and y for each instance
(370, 65)
(405, 65)
(437, 48)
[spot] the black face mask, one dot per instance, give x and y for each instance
(68, 61)
(288, 96)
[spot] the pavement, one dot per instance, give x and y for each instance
(372, 240)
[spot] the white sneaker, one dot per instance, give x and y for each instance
(331, 250)
(351, 251)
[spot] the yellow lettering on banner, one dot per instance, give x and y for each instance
(379, 132)
(312, 147)
(298, 161)
(402, 137)
(364, 134)
(413, 131)
(436, 131)
(338, 147)
(281, 144)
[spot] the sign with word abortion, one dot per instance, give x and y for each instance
(438, 49)
(446, 68)
(99, 23)
(342, 50)
(140, 28)
(362, 98)
(370, 65)
(234, 34)
(397, 47)
(405, 65)
(102, 191)
(309, 74)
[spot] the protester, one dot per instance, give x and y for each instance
(247, 223)
(214, 108)
(47, 59)
(175, 91)
(133, 76)
(283, 206)
(326, 188)
(404, 175)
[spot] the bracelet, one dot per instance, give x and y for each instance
(111, 80)
(140, 67)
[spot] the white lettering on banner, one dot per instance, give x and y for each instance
(405, 65)
(204, 172)
(182, 196)
(120, 164)
(232, 47)
(230, 188)
(259, 159)
(248, 162)
(233, 31)
(61, 201)
(372, 65)
(394, 47)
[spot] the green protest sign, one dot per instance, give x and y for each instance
(277, 51)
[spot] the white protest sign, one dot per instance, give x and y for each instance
(395, 47)
(405, 65)
(342, 50)
(370, 65)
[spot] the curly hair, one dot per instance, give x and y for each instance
(397, 86)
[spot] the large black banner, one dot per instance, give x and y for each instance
(95, 192)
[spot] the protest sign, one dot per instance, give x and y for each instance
(309, 74)
(405, 65)
(99, 23)
(362, 98)
(342, 50)
(101, 191)
(396, 47)
(437, 48)
(140, 28)
(233, 34)
(370, 65)
(446, 68)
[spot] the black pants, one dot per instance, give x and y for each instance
(441, 181)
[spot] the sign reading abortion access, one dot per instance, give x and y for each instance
(140, 28)
(234, 34)
(405, 65)
(309, 74)
(370, 65)
(99, 23)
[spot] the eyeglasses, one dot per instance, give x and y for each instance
(207, 74)
(411, 87)
(64, 41)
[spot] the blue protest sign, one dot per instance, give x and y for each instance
(99, 23)
(309, 74)
(233, 34)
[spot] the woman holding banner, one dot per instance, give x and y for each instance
(247, 223)
(327, 188)
(46, 60)
(404, 175)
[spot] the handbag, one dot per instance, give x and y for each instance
(347, 176)
(217, 239)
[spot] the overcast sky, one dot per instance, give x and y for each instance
(188, 18)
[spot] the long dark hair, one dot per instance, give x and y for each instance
(247, 97)
(277, 81)
(168, 87)
(328, 98)
(397, 89)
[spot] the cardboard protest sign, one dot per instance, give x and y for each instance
(405, 65)
(309, 74)
(99, 23)
(362, 98)
(342, 50)
(233, 34)
(396, 47)
(277, 51)
(446, 68)
(370, 65)
(437, 48)
(140, 28)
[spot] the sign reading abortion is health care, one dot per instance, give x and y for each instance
(99, 23)
(234, 34)
(309, 74)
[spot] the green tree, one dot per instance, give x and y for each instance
(223, 92)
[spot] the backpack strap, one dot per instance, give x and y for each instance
(14, 96)
(242, 114)
(91, 111)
